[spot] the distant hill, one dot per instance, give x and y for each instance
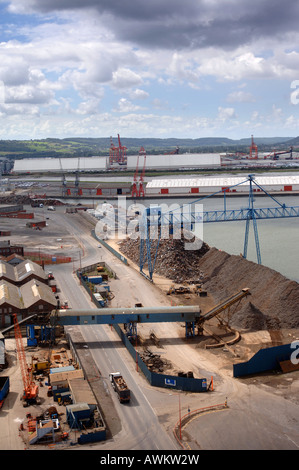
(84, 147)
(294, 142)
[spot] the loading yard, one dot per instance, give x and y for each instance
(179, 354)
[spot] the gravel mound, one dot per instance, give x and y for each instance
(274, 300)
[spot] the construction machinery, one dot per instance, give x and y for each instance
(30, 392)
(178, 290)
(226, 304)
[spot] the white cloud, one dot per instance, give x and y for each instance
(126, 106)
(240, 97)
(138, 94)
(76, 60)
(226, 114)
(183, 69)
(125, 78)
(37, 90)
(159, 104)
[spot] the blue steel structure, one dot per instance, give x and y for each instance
(130, 317)
(155, 217)
(110, 316)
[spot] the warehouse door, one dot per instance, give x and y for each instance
(164, 190)
(288, 188)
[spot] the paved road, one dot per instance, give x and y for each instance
(141, 429)
(140, 425)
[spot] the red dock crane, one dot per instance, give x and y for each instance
(30, 393)
(253, 147)
(135, 191)
(113, 154)
(118, 154)
(122, 159)
(141, 180)
(138, 190)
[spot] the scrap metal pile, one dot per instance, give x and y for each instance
(174, 260)
(154, 361)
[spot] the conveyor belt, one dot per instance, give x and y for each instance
(224, 305)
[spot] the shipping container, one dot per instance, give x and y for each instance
(4, 389)
(95, 279)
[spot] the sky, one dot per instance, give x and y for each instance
(160, 69)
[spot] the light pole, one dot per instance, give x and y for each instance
(180, 417)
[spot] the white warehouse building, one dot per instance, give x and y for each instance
(85, 164)
(211, 185)
(177, 161)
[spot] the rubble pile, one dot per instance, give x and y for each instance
(174, 260)
(25, 199)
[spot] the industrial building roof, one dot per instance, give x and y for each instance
(19, 273)
(221, 182)
(25, 296)
(7, 271)
(26, 268)
(2, 352)
(10, 295)
(81, 391)
(59, 374)
(33, 291)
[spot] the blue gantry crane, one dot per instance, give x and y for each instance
(154, 219)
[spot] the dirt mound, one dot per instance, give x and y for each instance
(274, 300)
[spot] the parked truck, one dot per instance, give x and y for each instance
(120, 387)
(4, 389)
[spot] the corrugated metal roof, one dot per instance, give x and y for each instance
(222, 182)
(22, 270)
(63, 374)
(10, 295)
(2, 353)
(26, 295)
(55, 370)
(26, 268)
(33, 291)
(81, 391)
(7, 271)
